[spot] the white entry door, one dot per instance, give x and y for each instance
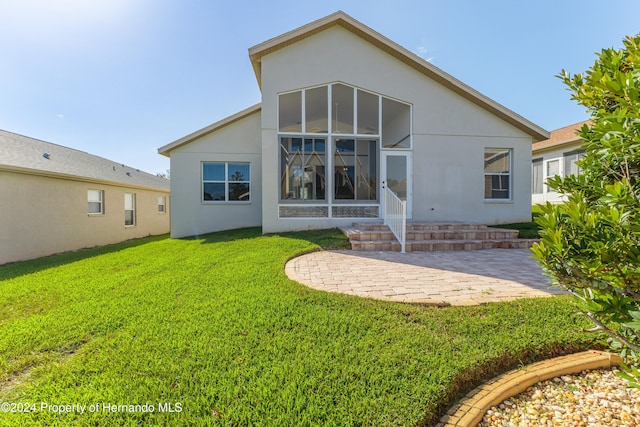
(396, 171)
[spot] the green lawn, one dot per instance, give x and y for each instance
(214, 327)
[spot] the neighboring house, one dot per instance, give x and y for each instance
(344, 113)
(555, 156)
(55, 199)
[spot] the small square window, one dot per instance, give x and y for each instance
(95, 202)
(162, 204)
(129, 209)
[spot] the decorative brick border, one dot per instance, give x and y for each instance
(470, 410)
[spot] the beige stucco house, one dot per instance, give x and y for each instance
(555, 156)
(55, 199)
(346, 113)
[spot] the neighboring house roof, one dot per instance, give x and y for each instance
(559, 137)
(211, 128)
(347, 22)
(28, 155)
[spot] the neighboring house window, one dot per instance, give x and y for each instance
(129, 209)
(226, 182)
(553, 169)
(95, 199)
(162, 204)
(497, 173)
(537, 180)
(570, 159)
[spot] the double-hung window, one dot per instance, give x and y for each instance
(497, 173)
(570, 159)
(129, 209)
(226, 182)
(537, 180)
(162, 204)
(95, 199)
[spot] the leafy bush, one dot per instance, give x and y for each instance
(590, 245)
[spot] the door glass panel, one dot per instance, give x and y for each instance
(397, 175)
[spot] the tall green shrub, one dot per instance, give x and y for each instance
(590, 244)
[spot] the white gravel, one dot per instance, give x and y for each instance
(592, 398)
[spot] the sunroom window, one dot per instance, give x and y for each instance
(355, 169)
(330, 139)
(396, 124)
(302, 168)
(342, 109)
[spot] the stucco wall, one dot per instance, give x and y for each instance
(556, 153)
(237, 142)
(42, 215)
(449, 132)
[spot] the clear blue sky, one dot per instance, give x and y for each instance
(120, 78)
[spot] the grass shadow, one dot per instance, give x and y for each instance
(21, 268)
(331, 238)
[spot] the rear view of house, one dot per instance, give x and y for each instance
(345, 115)
(55, 199)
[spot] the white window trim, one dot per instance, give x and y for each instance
(133, 205)
(510, 175)
(101, 201)
(330, 137)
(226, 183)
(163, 204)
(560, 160)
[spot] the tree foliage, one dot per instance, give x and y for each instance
(590, 244)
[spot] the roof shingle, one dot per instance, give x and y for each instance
(19, 152)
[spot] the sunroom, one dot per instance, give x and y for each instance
(339, 146)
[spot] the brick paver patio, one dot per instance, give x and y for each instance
(439, 278)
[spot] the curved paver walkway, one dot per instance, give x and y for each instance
(438, 278)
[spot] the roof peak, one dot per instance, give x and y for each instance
(257, 52)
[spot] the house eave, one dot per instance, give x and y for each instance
(69, 177)
(256, 53)
(166, 150)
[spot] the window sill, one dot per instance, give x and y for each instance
(499, 201)
(215, 202)
(95, 214)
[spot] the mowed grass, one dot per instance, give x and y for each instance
(213, 326)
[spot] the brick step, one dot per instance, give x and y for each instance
(358, 233)
(441, 245)
(462, 234)
(430, 236)
(421, 226)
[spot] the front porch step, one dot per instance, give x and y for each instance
(434, 237)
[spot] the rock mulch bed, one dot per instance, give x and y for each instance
(592, 398)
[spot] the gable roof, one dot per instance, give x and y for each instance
(345, 21)
(28, 155)
(559, 137)
(165, 150)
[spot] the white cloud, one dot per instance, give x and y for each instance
(422, 51)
